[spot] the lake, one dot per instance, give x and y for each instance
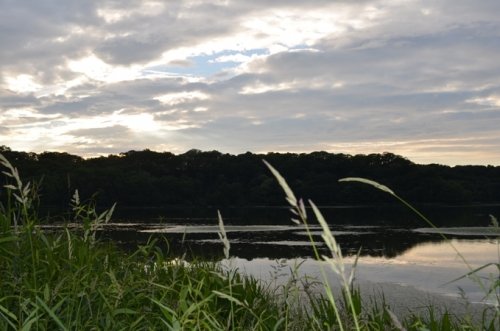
(395, 247)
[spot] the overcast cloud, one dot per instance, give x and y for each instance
(416, 78)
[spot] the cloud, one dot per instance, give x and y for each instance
(105, 134)
(416, 77)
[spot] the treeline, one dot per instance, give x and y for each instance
(195, 178)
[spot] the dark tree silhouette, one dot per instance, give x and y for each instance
(196, 178)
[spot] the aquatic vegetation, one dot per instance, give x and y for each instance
(489, 285)
(71, 280)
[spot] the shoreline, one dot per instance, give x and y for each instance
(405, 300)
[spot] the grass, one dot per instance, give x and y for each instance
(69, 280)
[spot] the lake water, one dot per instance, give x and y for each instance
(394, 247)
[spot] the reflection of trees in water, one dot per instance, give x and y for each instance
(389, 238)
(394, 215)
(382, 242)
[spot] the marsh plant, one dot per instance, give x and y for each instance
(351, 297)
(71, 280)
(335, 261)
(86, 214)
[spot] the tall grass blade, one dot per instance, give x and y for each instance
(353, 269)
(229, 298)
(51, 313)
(395, 321)
(369, 182)
(292, 200)
(8, 316)
(8, 239)
(472, 272)
(223, 236)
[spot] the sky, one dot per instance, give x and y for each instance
(416, 78)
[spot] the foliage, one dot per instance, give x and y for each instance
(196, 178)
(70, 280)
(352, 298)
(490, 286)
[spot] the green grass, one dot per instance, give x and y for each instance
(72, 281)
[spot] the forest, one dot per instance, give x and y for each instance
(211, 178)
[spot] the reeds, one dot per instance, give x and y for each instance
(352, 299)
(70, 280)
(491, 285)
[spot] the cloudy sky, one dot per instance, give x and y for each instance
(416, 78)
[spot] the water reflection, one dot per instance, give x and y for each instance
(264, 232)
(394, 247)
(391, 255)
(431, 266)
(362, 216)
(276, 241)
(428, 266)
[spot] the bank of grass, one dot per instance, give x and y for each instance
(72, 281)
